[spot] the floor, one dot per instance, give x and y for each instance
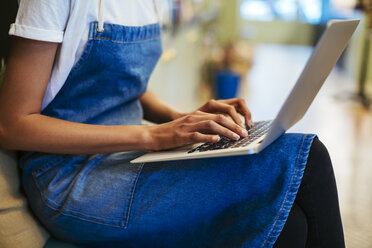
(342, 125)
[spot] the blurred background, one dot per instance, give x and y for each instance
(256, 49)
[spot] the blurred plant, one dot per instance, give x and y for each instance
(236, 57)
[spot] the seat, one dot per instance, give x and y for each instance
(18, 226)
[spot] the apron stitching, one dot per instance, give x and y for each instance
(132, 196)
(51, 204)
(120, 41)
(85, 218)
(47, 166)
(286, 197)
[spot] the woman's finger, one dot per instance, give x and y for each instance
(221, 107)
(226, 122)
(231, 111)
(213, 127)
(242, 108)
(218, 119)
(210, 126)
(196, 137)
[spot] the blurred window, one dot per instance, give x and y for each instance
(308, 11)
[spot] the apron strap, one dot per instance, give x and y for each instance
(157, 11)
(100, 17)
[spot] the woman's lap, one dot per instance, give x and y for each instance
(240, 201)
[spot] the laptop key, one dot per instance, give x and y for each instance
(258, 129)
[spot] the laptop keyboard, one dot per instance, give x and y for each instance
(259, 128)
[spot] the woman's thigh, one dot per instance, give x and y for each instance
(315, 216)
(240, 201)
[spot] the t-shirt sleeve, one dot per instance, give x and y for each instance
(43, 20)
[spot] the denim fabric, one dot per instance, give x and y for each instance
(240, 201)
(104, 201)
(113, 71)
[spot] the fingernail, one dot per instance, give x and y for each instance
(244, 132)
(236, 137)
(250, 123)
(216, 138)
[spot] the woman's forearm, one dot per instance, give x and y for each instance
(22, 127)
(156, 110)
(36, 132)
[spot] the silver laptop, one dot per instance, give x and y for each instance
(263, 133)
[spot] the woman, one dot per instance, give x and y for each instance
(76, 82)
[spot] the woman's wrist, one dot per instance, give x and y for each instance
(147, 138)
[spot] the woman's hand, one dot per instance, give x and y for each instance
(232, 108)
(196, 127)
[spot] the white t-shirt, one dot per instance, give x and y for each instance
(67, 21)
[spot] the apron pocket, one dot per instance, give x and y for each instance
(95, 188)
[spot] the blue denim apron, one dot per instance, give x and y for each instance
(104, 201)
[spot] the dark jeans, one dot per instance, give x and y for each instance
(314, 220)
